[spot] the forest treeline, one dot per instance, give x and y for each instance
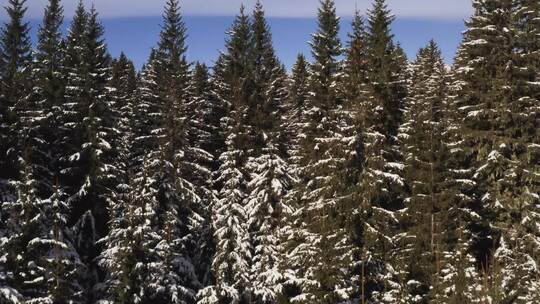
(359, 177)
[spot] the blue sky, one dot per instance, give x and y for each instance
(132, 26)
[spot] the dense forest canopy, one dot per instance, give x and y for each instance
(359, 177)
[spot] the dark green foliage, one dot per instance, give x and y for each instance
(381, 182)
(39, 261)
(360, 177)
(86, 163)
(15, 56)
(39, 114)
(174, 162)
(211, 140)
(123, 84)
(318, 266)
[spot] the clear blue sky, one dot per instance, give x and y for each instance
(132, 26)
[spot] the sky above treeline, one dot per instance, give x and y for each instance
(133, 26)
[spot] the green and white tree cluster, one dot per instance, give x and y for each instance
(358, 177)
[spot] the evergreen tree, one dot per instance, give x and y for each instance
(475, 99)
(489, 105)
(365, 179)
(292, 231)
(231, 264)
(426, 154)
(382, 185)
(123, 84)
(87, 168)
(210, 113)
(174, 164)
(322, 196)
(296, 106)
(41, 109)
(232, 260)
(15, 54)
(39, 263)
(145, 111)
(130, 253)
(269, 178)
(356, 66)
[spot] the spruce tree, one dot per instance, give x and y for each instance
(292, 231)
(296, 106)
(173, 165)
(356, 67)
(87, 169)
(39, 263)
(487, 102)
(267, 166)
(145, 111)
(210, 112)
(232, 259)
(130, 254)
(16, 58)
(426, 153)
(42, 106)
(123, 84)
(321, 195)
(382, 185)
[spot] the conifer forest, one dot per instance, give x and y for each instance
(359, 176)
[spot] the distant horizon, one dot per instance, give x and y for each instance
(207, 34)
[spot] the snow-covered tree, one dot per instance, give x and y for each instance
(382, 185)
(319, 254)
(39, 109)
(87, 165)
(295, 106)
(266, 207)
(122, 85)
(173, 163)
(499, 136)
(130, 255)
(39, 263)
(232, 259)
(211, 141)
(145, 111)
(426, 173)
(16, 58)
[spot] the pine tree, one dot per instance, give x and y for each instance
(39, 113)
(87, 167)
(173, 165)
(320, 234)
(16, 58)
(426, 174)
(130, 253)
(39, 263)
(210, 111)
(382, 185)
(232, 259)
